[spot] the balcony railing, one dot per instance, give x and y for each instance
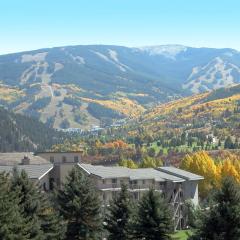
(131, 187)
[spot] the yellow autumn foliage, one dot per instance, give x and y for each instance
(123, 105)
(128, 163)
(213, 171)
(10, 94)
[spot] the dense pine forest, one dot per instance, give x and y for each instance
(21, 133)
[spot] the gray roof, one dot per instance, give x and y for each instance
(12, 158)
(180, 173)
(34, 171)
(132, 174)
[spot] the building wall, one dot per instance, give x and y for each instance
(58, 157)
(44, 182)
(190, 190)
(63, 164)
(110, 187)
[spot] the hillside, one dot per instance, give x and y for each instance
(21, 133)
(81, 86)
(208, 121)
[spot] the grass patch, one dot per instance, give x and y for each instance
(182, 235)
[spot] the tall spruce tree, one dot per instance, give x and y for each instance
(118, 216)
(153, 219)
(222, 221)
(13, 226)
(29, 202)
(80, 206)
(44, 221)
(52, 224)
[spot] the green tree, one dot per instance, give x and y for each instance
(222, 221)
(228, 144)
(153, 220)
(45, 223)
(151, 152)
(29, 202)
(80, 206)
(52, 224)
(118, 216)
(13, 226)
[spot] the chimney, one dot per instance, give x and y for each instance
(25, 160)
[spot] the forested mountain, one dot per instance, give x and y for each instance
(22, 133)
(206, 121)
(80, 86)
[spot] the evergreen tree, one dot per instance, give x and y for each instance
(118, 216)
(222, 221)
(228, 144)
(13, 226)
(80, 206)
(45, 223)
(29, 202)
(52, 223)
(153, 220)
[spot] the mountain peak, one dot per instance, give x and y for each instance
(169, 51)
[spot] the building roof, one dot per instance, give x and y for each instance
(64, 152)
(34, 171)
(180, 173)
(132, 174)
(12, 158)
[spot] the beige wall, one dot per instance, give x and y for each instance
(108, 189)
(190, 189)
(57, 157)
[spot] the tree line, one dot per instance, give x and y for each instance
(22, 133)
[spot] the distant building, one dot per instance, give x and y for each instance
(176, 185)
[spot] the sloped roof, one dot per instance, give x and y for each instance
(180, 173)
(34, 171)
(132, 174)
(11, 158)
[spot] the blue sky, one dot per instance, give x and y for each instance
(34, 24)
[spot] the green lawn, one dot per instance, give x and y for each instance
(182, 235)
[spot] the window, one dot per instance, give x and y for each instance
(104, 196)
(76, 159)
(161, 184)
(44, 187)
(181, 194)
(51, 183)
(51, 159)
(103, 181)
(135, 195)
(114, 180)
(64, 159)
(143, 181)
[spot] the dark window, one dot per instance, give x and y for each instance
(135, 182)
(51, 159)
(104, 196)
(103, 181)
(135, 196)
(76, 159)
(44, 187)
(64, 159)
(51, 183)
(114, 180)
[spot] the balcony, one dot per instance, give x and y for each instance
(131, 187)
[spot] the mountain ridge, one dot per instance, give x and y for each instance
(59, 85)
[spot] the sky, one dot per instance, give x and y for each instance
(35, 24)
